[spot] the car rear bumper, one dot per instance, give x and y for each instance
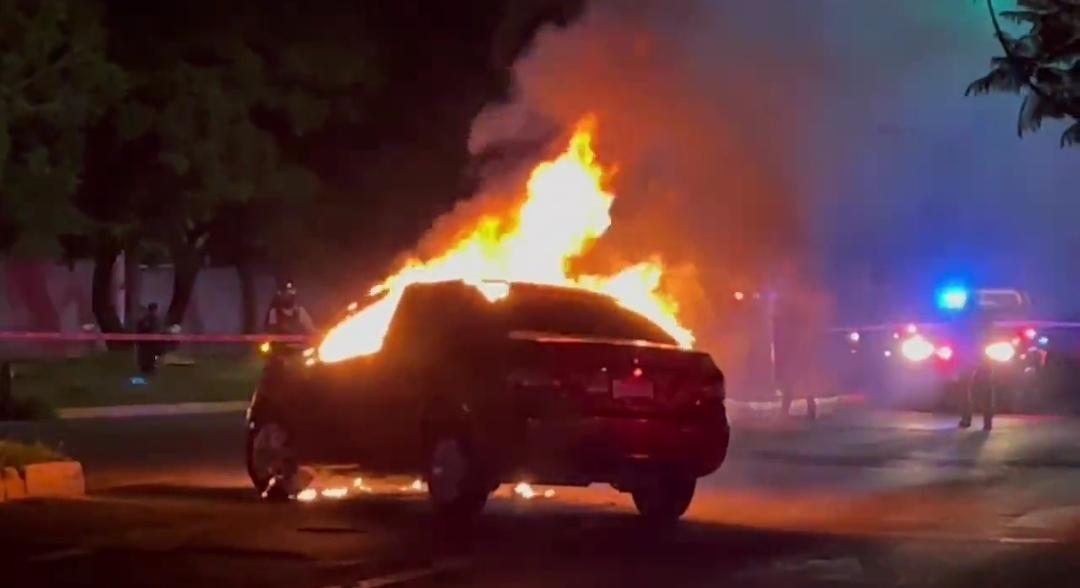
(615, 449)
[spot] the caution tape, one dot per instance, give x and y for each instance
(156, 337)
(1035, 324)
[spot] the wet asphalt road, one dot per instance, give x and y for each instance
(867, 500)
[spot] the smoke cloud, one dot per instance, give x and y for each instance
(791, 145)
(701, 122)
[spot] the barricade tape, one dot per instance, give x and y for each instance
(162, 337)
(1035, 324)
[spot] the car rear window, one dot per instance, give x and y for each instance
(565, 311)
(1000, 299)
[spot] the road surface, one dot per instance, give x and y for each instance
(872, 499)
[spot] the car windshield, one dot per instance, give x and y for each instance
(566, 311)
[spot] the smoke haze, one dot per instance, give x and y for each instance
(819, 146)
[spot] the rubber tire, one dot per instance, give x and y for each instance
(666, 499)
(280, 491)
(473, 487)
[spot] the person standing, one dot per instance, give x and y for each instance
(977, 374)
(798, 330)
(286, 316)
(146, 352)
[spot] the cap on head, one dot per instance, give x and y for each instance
(287, 286)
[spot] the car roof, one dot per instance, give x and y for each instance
(1001, 298)
(452, 301)
(516, 287)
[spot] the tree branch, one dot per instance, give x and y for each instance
(39, 72)
(1012, 60)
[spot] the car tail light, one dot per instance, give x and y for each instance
(598, 384)
(714, 388)
(534, 381)
(916, 348)
(1002, 351)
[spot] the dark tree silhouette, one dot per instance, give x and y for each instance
(1042, 63)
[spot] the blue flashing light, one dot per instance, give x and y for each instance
(953, 298)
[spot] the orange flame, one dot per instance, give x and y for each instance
(565, 208)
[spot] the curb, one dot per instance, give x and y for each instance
(54, 479)
(799, 406)
(739, 407)
(1058, 521)
(144, 410)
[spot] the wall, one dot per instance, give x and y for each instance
(37, 295)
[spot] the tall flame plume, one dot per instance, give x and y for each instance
(565, 207)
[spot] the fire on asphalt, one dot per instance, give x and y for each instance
(864, 499)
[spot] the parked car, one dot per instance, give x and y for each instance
(552, 385)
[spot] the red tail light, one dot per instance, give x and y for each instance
(944, 353)
(714, 388)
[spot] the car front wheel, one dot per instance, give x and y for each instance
(664, 499)
(455, 483)
(271, 460)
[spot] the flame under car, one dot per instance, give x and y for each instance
(548, 384)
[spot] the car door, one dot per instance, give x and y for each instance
(347, 411)
(375, 404)
(313, 411)
(425, 364)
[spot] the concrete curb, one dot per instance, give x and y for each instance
(1058, 521)
(740, 407)
(54, 479)
(799, 407)
(735, 408)
(144, 410)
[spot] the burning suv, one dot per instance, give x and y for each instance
(547, 384)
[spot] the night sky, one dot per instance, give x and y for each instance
(857, 109)
(918, 180)
(832, 132)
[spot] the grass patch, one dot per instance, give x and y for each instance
(31, 408)
(20, 455)
(105, 379)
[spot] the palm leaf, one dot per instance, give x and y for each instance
(1041, 5)
(1071, 136)
(1022, 16)
(1030, 118)
(1002, 78)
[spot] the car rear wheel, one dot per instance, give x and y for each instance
(271, 460)
(456, 484)
(665, 498)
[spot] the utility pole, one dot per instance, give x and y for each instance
(770, 325)
(6, 377)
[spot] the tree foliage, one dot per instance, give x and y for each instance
(221, 100)
(55, 82)
(1042, 63)
(248, 130)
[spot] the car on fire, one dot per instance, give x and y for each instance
(553, 385)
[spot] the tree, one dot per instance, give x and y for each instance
(220, 96)
(1042, 64)
(55, 82)
(241, 129)
(386, 176)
